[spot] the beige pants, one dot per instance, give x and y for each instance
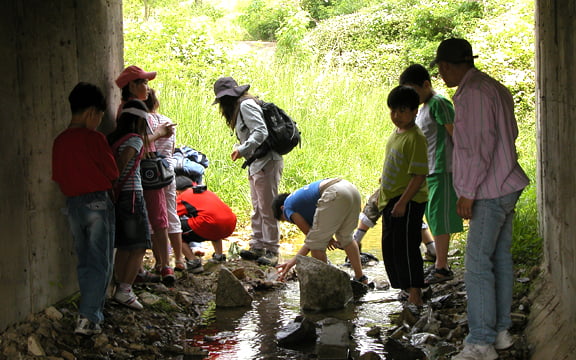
(263, 189)
(336, 215)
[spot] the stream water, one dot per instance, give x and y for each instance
(251, 334)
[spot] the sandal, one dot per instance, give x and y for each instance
(403, 296)
(147, 277)
(180, 265)
(439, 275)
(362, 279)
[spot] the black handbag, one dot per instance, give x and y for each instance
(155, 171)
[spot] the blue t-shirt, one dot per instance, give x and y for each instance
(303, 201)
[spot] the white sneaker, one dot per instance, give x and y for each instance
(477, 352)
(128, 298)
(503, 340)
(86, 327)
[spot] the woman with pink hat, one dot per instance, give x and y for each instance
(134, 84)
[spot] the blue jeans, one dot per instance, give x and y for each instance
(489, 273)
(92, 222)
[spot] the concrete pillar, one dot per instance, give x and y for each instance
(553, 317)
(47, 47)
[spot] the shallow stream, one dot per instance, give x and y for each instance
(251, 334)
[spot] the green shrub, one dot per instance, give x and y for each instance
(324, 9)
(261, 21)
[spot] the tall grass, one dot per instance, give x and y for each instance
(343, 120)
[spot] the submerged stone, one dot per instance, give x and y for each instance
(334, 341)
(297, 333)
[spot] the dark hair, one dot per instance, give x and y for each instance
(230, 106)
(152, 101)
(277, 203)
(414, 74)
(183, 182)
(126, 94)
(130, 123)
(403, 97)
(84, 96)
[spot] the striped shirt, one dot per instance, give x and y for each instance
(485, 162)
(164, 145)
(134, 182)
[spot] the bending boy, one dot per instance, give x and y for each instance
(323, 210)
(203, 216)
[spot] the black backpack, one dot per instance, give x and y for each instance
(283, 134)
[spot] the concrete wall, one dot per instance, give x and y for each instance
(553, 317)
(47, 47)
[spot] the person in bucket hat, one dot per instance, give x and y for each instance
(488, 181)
(227, 86)
(244, 116)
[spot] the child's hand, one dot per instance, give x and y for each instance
(235, 155)
(399, 209)
(283, 269)
(333, 244)
(164, 130)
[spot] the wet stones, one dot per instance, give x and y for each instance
(230, 291)
(334, 340)
(322, 286)
(298, 332)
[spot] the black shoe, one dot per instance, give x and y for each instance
(439, 275)
(269, 259)
(252, 254)
(365, 259)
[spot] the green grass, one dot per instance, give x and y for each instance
(344, 122)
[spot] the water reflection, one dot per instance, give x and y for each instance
(251, 333)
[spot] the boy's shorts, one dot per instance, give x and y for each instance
(191, 237)
(156, 206)
(441, 208)
(132, 222)
(336, 215)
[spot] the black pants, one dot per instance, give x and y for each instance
(401, 237)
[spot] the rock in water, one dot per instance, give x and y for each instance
(230, 291)
(322, 286)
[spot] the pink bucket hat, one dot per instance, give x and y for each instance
(132, 73)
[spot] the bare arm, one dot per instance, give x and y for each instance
(127, 154)
(399, 208)
(283, 269)
(302, 224)
(163, 130)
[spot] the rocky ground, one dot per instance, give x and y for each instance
(171, 314)
(438, 329)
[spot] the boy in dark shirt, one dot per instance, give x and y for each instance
(84, 168)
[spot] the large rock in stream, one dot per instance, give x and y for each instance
(230, 291)
(322, 286)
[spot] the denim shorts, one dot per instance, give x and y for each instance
(132, 230)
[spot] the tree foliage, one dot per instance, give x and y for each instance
(333, 66)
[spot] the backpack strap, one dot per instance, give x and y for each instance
(259, 102)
